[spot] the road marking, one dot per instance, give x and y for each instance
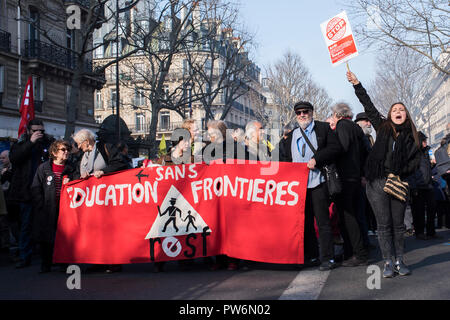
(306, 286)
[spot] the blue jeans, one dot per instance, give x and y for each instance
(25, 245)
(390, 214)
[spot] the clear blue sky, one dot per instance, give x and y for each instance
(295, 25)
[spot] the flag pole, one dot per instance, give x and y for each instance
(19, 61)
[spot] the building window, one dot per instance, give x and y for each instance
(208, 67)
(2, 79)
(113, 49)
(221, 97)
(164, 120)
(139, 97)
(186, 67)
(2, 83)
(139, 71)
(33, 27)
(140, 122)
(187, 95)
(113, 98)
(98, 100)
(112, 74)
(166, 91)
(164, 44)
(38, 88)
(38, 93)
(98, 119)
(98, 53)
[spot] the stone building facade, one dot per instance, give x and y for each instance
(135, 109)
(27, 53)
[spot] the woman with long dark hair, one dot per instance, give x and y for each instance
(395, 154)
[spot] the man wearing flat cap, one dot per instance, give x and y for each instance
(295, 149)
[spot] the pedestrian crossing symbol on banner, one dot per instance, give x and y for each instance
(176, 217)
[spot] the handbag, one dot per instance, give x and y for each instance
(396, 187)
(329, 171)
(333, 181)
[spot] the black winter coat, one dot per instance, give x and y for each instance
(376, 119)
(45, 204)
(113, 158)
(350, 162)
(25, 158)
(328, 146)
(422, 178)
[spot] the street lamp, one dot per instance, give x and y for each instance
(117, 73)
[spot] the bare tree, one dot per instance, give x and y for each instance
(399, 78)
(94, 14)
(421, 26)
(219, 67)
(190, 58)
(259, 104)
(174, 28)
(289, 81)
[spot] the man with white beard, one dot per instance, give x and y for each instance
(363, 121)
(294, 148)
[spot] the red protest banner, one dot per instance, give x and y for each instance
(184, 211)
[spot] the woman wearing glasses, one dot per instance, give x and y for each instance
(46, 190)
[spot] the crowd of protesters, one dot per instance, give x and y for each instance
(380, 179)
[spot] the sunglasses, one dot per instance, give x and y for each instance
(40, 130)
(63, 149)
(300, 112)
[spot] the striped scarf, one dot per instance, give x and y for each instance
(58, 173)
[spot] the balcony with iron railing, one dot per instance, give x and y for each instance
(47, 52)
(5, 41)
(58, 56)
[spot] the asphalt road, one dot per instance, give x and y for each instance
(429, 261)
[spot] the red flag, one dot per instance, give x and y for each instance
(26, 107)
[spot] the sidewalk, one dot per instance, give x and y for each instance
(429, 261)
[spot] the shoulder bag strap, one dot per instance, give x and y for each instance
(307, 141)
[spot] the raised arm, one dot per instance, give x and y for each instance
(372, 113)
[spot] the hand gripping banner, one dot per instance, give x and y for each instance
(183, 212)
